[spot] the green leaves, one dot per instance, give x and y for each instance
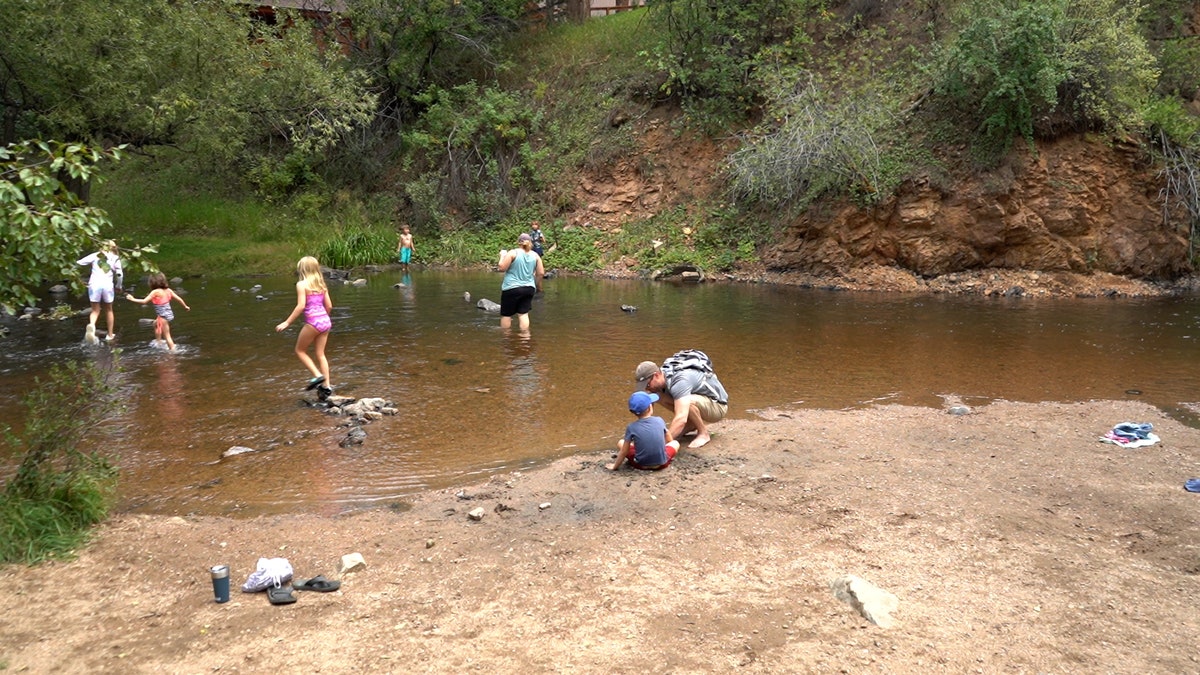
(711, 51)
(44, 226)
(1046, 66)
(59, 490)
(200, 76)
(475, 143)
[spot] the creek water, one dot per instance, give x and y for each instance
(474, 400)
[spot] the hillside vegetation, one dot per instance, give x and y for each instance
(928, 136)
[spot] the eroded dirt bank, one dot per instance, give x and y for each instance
(1081, 215)
(1014, 539)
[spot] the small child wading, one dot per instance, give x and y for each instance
(647, 443)
(312, 300)
(405, 248)
(161, 296)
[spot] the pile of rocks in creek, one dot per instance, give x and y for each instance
(357, 411)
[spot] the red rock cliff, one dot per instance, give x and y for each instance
(1076, 205)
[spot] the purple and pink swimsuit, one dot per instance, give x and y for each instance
(315, 314)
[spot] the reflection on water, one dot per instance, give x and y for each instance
(474, 399)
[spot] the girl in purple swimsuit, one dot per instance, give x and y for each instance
(312, 300)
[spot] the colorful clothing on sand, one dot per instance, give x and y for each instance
(1131, 435)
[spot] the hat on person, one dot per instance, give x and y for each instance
(639, 401)
(645, 371)
(524, 237)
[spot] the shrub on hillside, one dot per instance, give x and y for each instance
(710, 50)
(473, 144)
(820, 145)
(1044, 66)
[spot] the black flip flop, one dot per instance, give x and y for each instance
(281, 595)
(318, 583)
(312, 384)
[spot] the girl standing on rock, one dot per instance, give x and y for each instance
(312, 300)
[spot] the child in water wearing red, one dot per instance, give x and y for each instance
(161, 296)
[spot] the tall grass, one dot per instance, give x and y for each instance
(59, 490)
(358, 246)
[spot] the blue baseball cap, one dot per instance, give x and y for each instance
(640, 401)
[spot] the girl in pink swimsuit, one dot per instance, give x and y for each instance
(312, 300)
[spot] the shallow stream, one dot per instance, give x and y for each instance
(474, 400)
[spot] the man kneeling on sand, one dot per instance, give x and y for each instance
(687, 385)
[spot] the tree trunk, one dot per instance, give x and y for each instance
(579, 10)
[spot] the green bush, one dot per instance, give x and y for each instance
(473, 142)
(713, 239)
(1111, 70)
(709, 52)
(822, 144)
(1003, 69)
(1020, 68)
(58, 491)
(574, 249)
(1167, 118)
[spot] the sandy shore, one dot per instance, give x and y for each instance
(1014, 540)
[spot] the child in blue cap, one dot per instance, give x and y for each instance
(647, 443)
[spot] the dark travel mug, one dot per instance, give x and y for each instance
(220, 578)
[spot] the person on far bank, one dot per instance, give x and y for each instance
(312, 300)
(523, 273)
(106, 281)
(405, 248)
(687, 385)
(647, 443)
(538, 238)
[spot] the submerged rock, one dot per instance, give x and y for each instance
(237, 450)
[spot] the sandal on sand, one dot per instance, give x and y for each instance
(312, 384)
(281, 595)
(318, 583)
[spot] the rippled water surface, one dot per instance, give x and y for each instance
(474, 400)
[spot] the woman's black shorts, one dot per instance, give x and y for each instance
(517, 300)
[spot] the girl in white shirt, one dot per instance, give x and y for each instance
(106, 278)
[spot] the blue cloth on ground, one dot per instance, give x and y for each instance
(1192, 485)
(1133, 430)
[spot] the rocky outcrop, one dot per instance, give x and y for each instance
(1081, 204)
(1076, 205)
